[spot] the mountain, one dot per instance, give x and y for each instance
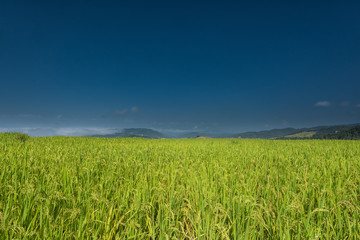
(134, 132)
(351, 134)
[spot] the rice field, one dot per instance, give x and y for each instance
(93, 188)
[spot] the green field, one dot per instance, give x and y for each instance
(93, 188)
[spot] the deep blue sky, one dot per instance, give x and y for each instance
(206, 65)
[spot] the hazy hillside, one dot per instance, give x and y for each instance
(134, 132)
(202, 134)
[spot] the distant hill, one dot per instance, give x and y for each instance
(134, 132)
(295, 133)
(274, 133)
(301, 135)
(197, 134)
(325, 130)
(320, 132)
(351, 134)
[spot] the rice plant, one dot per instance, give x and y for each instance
(132, 188)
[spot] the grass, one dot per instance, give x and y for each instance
(93, 188)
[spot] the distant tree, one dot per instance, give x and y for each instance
(22, 137)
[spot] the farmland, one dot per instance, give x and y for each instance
(133, 188)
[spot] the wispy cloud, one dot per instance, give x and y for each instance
(358, 105)
(322, 104)
(134, 109)
(285, 122)
(120, 112)
(26, 115)
(167, 130)
(344, 104)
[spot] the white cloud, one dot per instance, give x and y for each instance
(322, 104)
(134, 109)
(358, 105)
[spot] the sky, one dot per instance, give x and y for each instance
(225, 66)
